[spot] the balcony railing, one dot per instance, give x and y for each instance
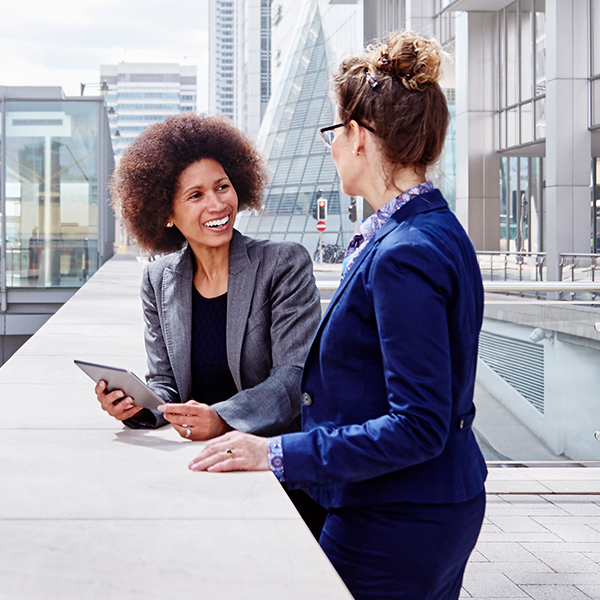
(512, 266)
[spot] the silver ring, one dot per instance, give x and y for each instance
(188, 433)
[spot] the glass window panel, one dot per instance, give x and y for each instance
(313, 168)
(522, 209)
(286, 117)
(527, 49)
(540, 48)
(311, 240)
(278, 146)
(289, 147)
(334, 221)
(527, 123)
(271, 204)
(512, 127)
(281, 171)
(52, 193)
(288, 202)
(328, 171)
(280, 225)
(293, 237)
(596, 102)
(266, 223)
(308, 85)
(595, 37)
(305, 201)
(502, 63)
(300, 113)
(305, 144)
(503, 203)
(296, 170)
(314, 112)
(297, 223)
(513, 193)
(535, 206)
(502, 129)
(512, 59)
(252, 225)
(540, 119)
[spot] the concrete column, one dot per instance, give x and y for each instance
(568, 140)
(477, 160)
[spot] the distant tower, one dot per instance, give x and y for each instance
(222, 63)
(300, 165)
(240, 61)
(140, 94)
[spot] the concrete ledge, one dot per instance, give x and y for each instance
(92, 510)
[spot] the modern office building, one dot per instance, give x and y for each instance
(240, 61)
(140, 94)
(307, 40)
(222, 55)
(56, 224)
(254, 64)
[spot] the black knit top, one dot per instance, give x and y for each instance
(211, 378)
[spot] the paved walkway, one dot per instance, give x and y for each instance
(545, 547)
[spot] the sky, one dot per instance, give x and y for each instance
(64, 42)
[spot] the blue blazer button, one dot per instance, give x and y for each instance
(306, 399)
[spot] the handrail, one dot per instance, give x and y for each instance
(506, 286)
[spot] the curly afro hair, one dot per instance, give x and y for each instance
(145, 182)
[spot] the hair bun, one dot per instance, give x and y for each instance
(411, 59)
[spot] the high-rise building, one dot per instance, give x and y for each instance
(240, 61)
(140, 94)
(222, 55)
(307, 41)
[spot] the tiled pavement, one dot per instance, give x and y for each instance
(545, 547)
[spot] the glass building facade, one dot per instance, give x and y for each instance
(57, 227)
(300, 165)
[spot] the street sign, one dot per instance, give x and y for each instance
(321, 226)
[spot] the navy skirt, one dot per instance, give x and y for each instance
(403, 550)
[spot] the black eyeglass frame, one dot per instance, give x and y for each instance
(324, 130)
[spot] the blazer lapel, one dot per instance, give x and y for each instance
(176, 308)
(240, 290)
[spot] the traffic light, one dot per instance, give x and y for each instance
(315, 211)
(321, 209)
(352, 209)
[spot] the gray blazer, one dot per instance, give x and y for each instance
(273, 311)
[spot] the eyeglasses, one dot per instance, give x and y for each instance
(327, 133)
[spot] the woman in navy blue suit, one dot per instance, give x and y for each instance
(386, 443)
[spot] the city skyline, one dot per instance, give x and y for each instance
(64, 43)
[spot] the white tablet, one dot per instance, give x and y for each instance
(122, 379)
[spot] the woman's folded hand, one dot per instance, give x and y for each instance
(233, 451)
(194, 421)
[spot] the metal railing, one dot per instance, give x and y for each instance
(578, 267)
(512, 266)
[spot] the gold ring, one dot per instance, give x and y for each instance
(229, 453)
(188, 433)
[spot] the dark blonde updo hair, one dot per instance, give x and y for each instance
(393, 88)
(146, 180)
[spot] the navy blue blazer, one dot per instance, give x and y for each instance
(388, 382)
